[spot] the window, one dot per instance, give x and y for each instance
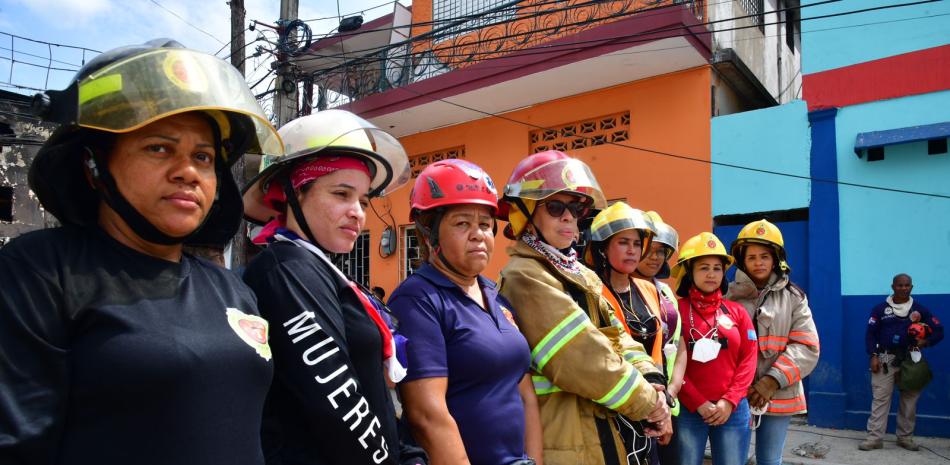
(409, 255)
(756, 12)
(936, 146)
(355, 264)
(602, 130)
(445, 12)
(792, 23)
(6, 203)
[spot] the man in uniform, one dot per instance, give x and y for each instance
(888, 341)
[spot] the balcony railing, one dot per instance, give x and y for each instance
(517, 25)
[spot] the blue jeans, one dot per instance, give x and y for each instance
(729, 441)
(770, 439)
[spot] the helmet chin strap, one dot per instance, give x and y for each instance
(109, 192)
(432, 238)
(295, 207)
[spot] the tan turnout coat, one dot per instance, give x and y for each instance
(788, 341)
(586, 366)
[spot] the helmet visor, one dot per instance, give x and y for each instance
(603, 231)
(666, 235)
(569, 175)
(141, 89)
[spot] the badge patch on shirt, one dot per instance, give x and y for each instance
(751, 335)
(888, 311)
(725, 321)
(252, 329)
(872, 320)
(509, 316)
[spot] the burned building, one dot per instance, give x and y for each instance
(21, 135)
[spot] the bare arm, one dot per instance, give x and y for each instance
(533, 442)
(679, 369)
(432, 424)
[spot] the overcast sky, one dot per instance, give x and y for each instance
(105, 24)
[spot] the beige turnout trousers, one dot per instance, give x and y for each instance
(882, 386)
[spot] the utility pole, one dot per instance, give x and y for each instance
(239, 246)
(285, 101)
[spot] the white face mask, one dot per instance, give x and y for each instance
(915, 355)
(706, 349)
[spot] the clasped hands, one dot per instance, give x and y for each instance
(660, 418)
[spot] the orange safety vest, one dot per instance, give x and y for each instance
(651, 298)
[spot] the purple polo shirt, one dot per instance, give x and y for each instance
(481, 353)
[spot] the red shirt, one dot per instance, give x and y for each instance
(730, 374)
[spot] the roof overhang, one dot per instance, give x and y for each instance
(642, 46)
(867, 141)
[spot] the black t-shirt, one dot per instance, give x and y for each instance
(110, 356)
(329, 403)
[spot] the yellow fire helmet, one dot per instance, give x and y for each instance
(703, 244)
(612, 220)
(621, 217)
(764, 233)
(665, 234)
(330, 133)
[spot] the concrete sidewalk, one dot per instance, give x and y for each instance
(841, 448)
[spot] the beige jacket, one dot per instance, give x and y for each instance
(788, 340)
(586, 366)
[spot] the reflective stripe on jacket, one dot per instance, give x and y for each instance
(788, 341)
(586, 366)
(668, 297)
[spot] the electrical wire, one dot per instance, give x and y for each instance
(187, 22)
(567, 47)
(445, 31)
(640, 12)
(686, 157)
(349, 14)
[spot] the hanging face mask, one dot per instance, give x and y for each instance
(915, 355)
(706, 349)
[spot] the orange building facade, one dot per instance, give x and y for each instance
(624, 86)
(666, 113)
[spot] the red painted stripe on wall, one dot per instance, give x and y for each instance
(913, 73)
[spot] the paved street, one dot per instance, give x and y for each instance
(842, 449)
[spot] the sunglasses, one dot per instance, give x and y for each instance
(556, 208)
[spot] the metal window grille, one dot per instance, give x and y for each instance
(409, 256)
(444, 12)
(355, 264)
(756, 11)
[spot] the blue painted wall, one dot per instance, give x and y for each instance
(885, 233)
(846, 40)
(773, 139)
(827, 397)
(795, 234)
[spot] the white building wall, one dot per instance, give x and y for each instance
(764, 51)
